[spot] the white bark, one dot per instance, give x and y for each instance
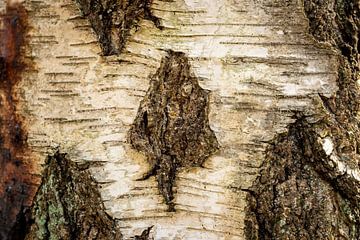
(255, 57)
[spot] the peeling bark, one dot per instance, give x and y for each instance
(145, 235)
(172, 125)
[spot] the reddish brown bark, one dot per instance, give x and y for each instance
(17, 183)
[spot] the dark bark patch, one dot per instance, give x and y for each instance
(337, 23)
(17, 184)
(145, 235)
(113, 20)
(304, 192)
(172, 126)
(68, 205)
(300, 194)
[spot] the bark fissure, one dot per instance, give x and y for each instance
(172, 126)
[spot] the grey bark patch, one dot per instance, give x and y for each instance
(68, 205)
(112, 20)
(172, 126)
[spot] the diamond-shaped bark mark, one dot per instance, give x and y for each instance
(113, 20)
(172, 127)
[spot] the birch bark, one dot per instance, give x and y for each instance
(269, 79)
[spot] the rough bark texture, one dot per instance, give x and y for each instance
(261, 66)
(113, 20)
(68, 205)
(309, 187)
(302, 193)
(172, 125)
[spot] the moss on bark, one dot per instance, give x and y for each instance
(68, 205)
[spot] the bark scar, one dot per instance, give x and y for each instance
(172, 126)
(113, 20)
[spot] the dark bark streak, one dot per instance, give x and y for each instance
(172, 126)
(17, 184)
(300, 193)
(112, 20)
(145, 235)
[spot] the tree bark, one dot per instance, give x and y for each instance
(179, 119)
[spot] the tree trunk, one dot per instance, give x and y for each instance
(179, 119)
